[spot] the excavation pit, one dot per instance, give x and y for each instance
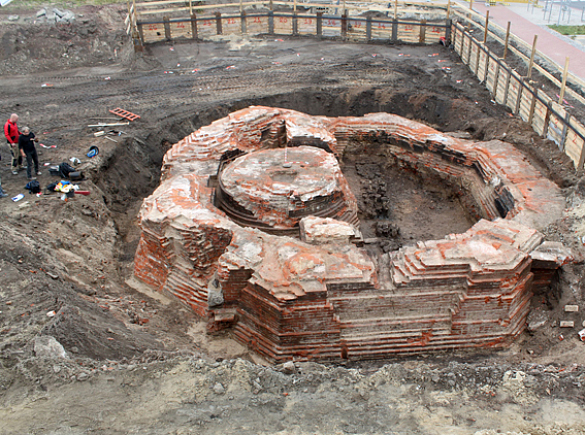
(292, 283)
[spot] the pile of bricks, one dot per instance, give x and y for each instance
(321, 296)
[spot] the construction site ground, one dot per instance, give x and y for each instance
(138, 362)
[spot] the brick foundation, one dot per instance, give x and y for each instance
(323, 297)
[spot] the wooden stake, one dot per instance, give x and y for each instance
(532, 57)
(294, 5)
(471, 4)
(507, 39)
(487, 21)
(564, 84)
(395, 9)
(191, 7)
(448, 8)
(135, 13)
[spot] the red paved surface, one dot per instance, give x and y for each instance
(547, 43)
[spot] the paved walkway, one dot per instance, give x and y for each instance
(524, 26)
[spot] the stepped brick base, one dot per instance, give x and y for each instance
(321, 297)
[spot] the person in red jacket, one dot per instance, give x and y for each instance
(12, 134)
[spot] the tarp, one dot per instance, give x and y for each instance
(4, 2)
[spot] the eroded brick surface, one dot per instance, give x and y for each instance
(318, 295)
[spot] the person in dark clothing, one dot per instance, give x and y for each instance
(26, 144)
(2, 193)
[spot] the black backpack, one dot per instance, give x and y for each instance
(65, 169)
(33, 186)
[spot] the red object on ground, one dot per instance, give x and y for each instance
(82, 192)
(125, 114)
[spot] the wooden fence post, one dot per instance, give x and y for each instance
(477, 59)
(469, 49)
(395, 30)
(519, 98)
(423, 31)
(271, 21)
(295, 24)
(344, 25)
(529, 74)
(368, 29)
(565, 128)
(449, 23)
(507, 40)
(581, 158)
(194, 26)
(507, 88)
(564, 83)
(546, 121)
(319, 23)
(487, 66)
(218, 23)
(243, 21)
(532, 106)
(167, 26)
(496, 81)
(487, 23)
(141, 32)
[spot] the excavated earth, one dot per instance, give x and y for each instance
(133, 361)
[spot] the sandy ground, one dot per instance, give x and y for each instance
(116, 358)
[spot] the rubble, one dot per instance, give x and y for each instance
(54, 16)
(311, 292)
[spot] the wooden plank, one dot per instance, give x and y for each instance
(206, 27)
(282, 25)
(556, 122)
(513, 92)
(574, 146)
(525, 105)
(482, 66)
(181, 29)
(459, 42)
(492, 76)
(307, 25)
(231, 26)
(433, 35)
(503, 86)
(408, 33)
(256, 25)
(331, 27)
(540, 110)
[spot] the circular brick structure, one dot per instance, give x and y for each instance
(278, 187)
(320, 295)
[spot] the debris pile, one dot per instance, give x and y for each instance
(54, 16)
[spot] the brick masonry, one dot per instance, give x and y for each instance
(321, 297)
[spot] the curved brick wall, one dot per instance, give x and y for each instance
(322, 296)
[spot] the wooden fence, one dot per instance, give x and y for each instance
(547, 117)
(387, 21)
(281, 23)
